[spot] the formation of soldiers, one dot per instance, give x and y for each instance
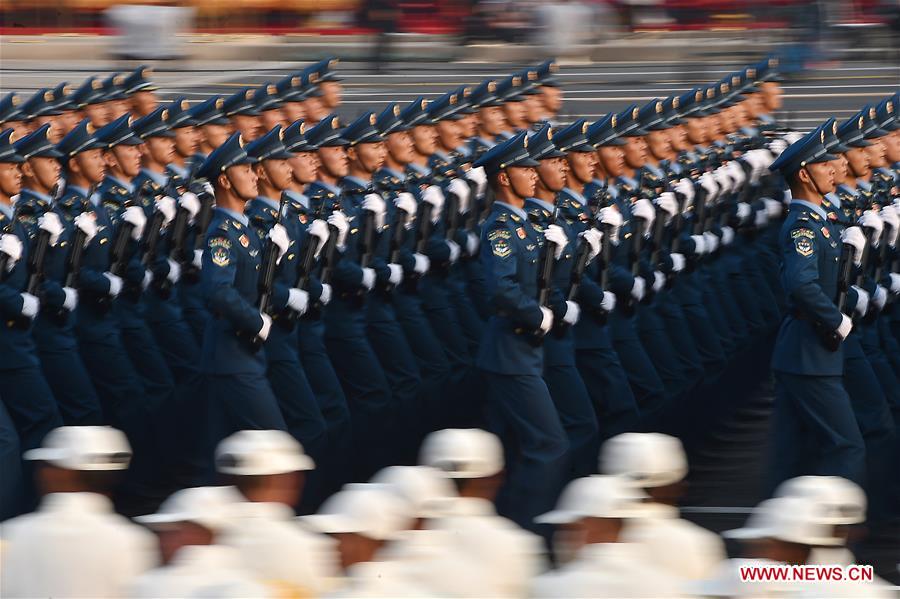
(191, 273)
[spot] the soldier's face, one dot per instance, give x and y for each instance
(10, 179)
(468, 125)
(278, 172)
(331, 93)
(659, 144)
(678, 138)
(143, 103)
(424, 139)
(581, 166)
(841, 169)
(315, 109)
(492, 120)
(771, 95)
(67, 121)
(247, 125)
(515, 113)
(55, 132)
(400, 147)
(126, 159)
(712, 127)
(371, 156)
(304, 167)
(859, 161)
(91, 165)
(876, 153)
(270, 118)
(552, 172)
(118, 108)
(534, 108)
(161, 149)
(522, 180)
(215, 135)
(695, 128)
(448, 133)
(635, 151)
(892, 147)
(44, 170)
(242, 180)
(823, 175)
(552, 99)
(20, 128)
(186, 141)
(334, 161)
(293, 111)
(613, 160)
(97, 114)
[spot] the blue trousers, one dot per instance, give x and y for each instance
(68, 378)
(243, 401)
(607, 385)
(645, 381)
(814, 413)
(577, 416)
(298, 405)
(30, 403)
(11, 490)
(535, 472)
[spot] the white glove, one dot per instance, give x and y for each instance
(279, 236)
(895, 283)
(325, 296)
(318, 229)
(71, 301)
(686, 188)
(787, 196)
(479, 177)
(422, 263)
(743, 211)
(454, 250)
(777, 146)
(871, 219)
(406, 202)
(87, 224)
(659, 280)
(368, 279)
(266, 326)
(555, 235)
(463, 192)
(699, 244)
(723, 180)
(854, 236)
(793, 137)
(845, 327)
(638, 289)
(668, 204)
(546, 320)
(773, 208)
(191, 203)
(573, 311)
(761, 218)
(644, 209)
(613, 218)
(197, 261)
(50, 222)
(396, 276)
(862, 301)
(208, 188)
(712, 241)
(879, 298)
(298, 300)
(11, 245)
(166, 205)
(738, 177)
(593, 238)
(709, 185)
(115, 284)
(148, 278)
(892, 220)
(31, 305)
(609, 301)
(678, 261)
(472, 244)
(135, 216)
(434, 196)
(174, 271)
(374, 203)
(727, 235)
(338, 220)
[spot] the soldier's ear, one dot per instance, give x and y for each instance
(26, 169)
(223, 182)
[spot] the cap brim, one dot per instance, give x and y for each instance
(331, 523)
(553, 154)
(823, 158)
(839, 148)
(524, 163)
(876, 133)
(557, 517)
(44, 454)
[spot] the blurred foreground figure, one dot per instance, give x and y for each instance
(267, 468)
(75, 545)
(594, 514)
(656, 464)
(188, 523)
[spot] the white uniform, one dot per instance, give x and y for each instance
(493, 549)
(74, 545)
(681, 548)
(386, 579)
(279, 551)
(199, 571)
(608, 570)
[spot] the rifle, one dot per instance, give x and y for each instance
(191, 273)
(864, 264)
(73, 265)
(117, 253)
(545, 275)
(329, 249)
(367, 241)
(830, 339)
(599, 200)
(451, 216)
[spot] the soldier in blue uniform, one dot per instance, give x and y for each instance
(490, 117)
(240, 109)
(25, 393)
(286, 376)
(11, 116)
(182, 123)
(812, 406)
(53, 330)
(141, 91)
(238, 390)
(510, 360)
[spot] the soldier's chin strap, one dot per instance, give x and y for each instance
(813, 181)
(233, 186)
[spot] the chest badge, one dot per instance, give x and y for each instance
(244, 240)
(826, 233)
(520, 232)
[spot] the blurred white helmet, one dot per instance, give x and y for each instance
(842, 500)
(369, 510)
(792, 519)
(210, 507)
(426, 490)
(647, 459)
(84, 448)
(261, 452)
(596, 497)
(463, 453)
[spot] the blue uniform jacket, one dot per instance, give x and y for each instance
(16, 345)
